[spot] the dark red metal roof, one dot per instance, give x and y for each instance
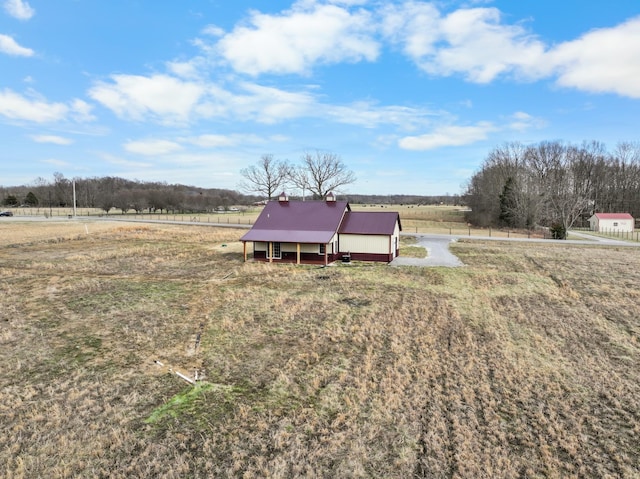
(298, 222)
(370, 222)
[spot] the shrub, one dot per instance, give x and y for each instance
(558, 231)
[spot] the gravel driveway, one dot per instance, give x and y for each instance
(438, 253)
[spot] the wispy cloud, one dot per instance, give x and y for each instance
(152, 147)
(19, 9)
(9, 46)
(521, 121)
(448, 136)
(54, 139)
(122, 162)
(56, 163)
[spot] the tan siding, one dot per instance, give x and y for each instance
(376, 244)
(309, 248)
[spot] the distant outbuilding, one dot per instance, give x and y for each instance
(321, 232)
(612, 222)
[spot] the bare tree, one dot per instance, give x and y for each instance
(321, 173)
(123, 201)
(266, 177)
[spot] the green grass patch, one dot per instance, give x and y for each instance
(413, 252)
(190, 400)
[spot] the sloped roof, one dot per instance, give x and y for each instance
(370, 222)
(613, 216)
(298, 221)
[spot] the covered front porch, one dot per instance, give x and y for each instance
(295, 253)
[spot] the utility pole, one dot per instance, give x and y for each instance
(74, 198)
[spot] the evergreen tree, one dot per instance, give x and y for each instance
(11, 200)
(508, 204)
(31, 199)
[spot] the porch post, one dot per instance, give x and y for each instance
(270, 251)
(325, 255)
(244, 250)
(297, 253)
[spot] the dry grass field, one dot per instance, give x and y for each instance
(523, 364)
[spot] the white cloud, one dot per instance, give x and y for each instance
(9, 46)
(415, 26)
(472, 42)
(601, 61)
(482, 48)
(187, 70)
(152, 147)
(165, 98)
(476, 43)
(19, 9)
(18, 107)
(271, 105)
(297, 39)
(81, 111)
(448, 136)
(56, 140)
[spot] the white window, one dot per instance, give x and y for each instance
(321, 248)
(275, 248)
(615, 224)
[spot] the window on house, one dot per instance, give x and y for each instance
(321, 248)
(615, 224)
(277, 252)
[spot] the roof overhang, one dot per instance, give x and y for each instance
(288, 236)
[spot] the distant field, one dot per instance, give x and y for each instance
(524, 363)
(414, 218)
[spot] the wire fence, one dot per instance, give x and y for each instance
(412, 223)
(614, 233)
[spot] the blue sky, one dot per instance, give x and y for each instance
(411, 95)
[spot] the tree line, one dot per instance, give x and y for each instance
(553, 184)
(108, 193)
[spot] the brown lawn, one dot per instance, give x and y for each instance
(524, 363)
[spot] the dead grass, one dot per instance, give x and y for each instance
(525, 363)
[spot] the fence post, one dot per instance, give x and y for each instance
(469, 231)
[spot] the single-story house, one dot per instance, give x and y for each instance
(612, 222)
(321, 232)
